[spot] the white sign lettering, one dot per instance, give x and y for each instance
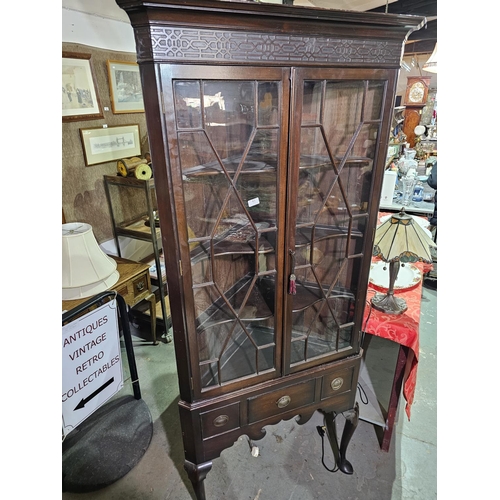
(91, 362)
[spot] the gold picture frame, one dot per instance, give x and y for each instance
(80, 100)
(125, 87)
(102, 145)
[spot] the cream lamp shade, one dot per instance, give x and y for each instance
(432, 63)
(86, 269)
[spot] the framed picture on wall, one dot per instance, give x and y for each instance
(101, 145)
(125, 87)
(80, 100)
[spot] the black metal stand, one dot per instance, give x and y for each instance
(111, 441)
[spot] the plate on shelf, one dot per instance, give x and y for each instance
(409, 277)
(421, 221)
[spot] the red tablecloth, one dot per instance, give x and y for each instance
(402, 328)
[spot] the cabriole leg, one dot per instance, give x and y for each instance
(352, 419)
(197, 474)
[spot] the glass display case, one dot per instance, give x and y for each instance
(268, 146)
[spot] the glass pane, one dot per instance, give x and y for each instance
(339, 131)
(374, 98)
(311, 105)
(187, 104)
(228, 153)
(321, 329)
(356, 179)
(268, 103)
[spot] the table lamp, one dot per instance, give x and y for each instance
(399, 240)
(86, 269)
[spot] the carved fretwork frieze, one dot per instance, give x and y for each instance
(200, 45)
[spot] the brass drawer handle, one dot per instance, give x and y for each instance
(337, 383)
(221, 420)
(140, 286)
(284, 401)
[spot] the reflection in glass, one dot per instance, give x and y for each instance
(187, 104)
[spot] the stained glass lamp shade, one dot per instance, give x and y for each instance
(399, 240)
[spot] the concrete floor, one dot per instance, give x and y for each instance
(289, 463)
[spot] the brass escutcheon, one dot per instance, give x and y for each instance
(221, 420)
(283, 401)
(337, 383)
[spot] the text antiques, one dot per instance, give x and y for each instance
(91, 361)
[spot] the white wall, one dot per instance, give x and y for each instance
(97, 23)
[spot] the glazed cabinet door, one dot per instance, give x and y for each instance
(335, 145)
(228, 136)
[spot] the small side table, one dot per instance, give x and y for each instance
(134, 285)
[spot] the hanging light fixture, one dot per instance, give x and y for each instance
(432, 63)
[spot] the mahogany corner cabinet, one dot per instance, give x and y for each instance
(268, 127)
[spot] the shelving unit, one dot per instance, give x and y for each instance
(132, 203)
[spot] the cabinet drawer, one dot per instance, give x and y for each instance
(337, 382)
(280, 401)
(140, 286)
(135, 290)
(221, 420)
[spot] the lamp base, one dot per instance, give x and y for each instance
(389, 304)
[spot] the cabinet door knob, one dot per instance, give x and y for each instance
(283, 401)
(337, 383)
(221, 420)
(140, 286)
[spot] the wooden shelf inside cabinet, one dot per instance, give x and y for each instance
(257, 163)
(132, 205)
(304, 235)
(307, 293)
(238, 239)
(256, 307)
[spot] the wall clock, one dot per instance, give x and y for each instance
(417, 89)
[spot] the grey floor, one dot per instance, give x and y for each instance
(289, 466)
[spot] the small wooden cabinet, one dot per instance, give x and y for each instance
(268, 128)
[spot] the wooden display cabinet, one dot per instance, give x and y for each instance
(268, 128)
